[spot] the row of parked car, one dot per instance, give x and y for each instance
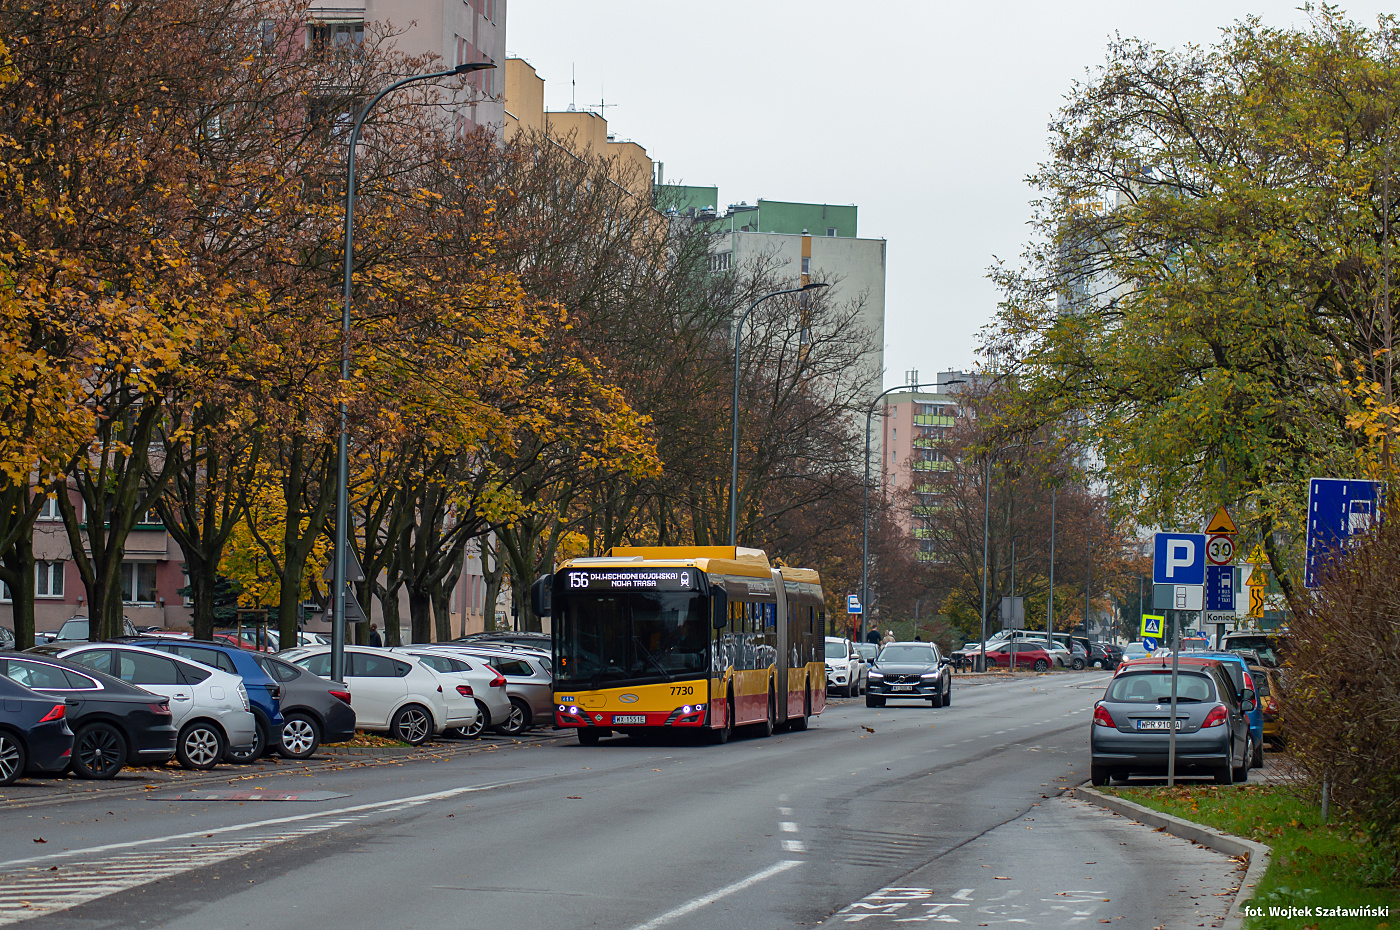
(96, 707)
(1226, 708)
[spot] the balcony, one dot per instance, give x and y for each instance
(929, 419)
(932, 466)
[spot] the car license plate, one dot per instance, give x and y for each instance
(629, 718)
(902, 687)
(1157, 724)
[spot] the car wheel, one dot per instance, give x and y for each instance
(300, 737)
(948, 695)
(200, 746)
(1240, 773)
(99, 751)
(412, 724)
(478, 726)
(1256, 760)
(517, 721)
(247, 756)
(1078, 665)
(936, 700)
(588, 737)
(1041, 665)
(13, 757)
(1099, 775)
(874, 701)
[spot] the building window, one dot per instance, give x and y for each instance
(896, 434)
(48, 579)
(806, 264)
(50, 510)
(720, 261)
(831, 232)
(337, 36)
(892, 458)
(138, 582)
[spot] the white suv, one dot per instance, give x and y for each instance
(846, 671)
(209, 706)
(390, 692)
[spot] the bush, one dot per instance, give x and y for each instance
(1341, 707)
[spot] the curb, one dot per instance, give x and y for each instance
(1257, 853)
(370, 750)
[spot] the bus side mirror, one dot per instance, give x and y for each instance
(542, 596)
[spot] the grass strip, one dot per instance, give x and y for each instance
(1315, 866)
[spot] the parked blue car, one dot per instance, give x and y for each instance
(1239, 675)
(264, 694)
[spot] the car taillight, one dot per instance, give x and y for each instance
(1270, 705)
(1249, 681)
(58, 712)
(342, 695)
(464, 690)
(1102, 717)
(1215, 718)
(499, 681)
(160, 710)
(275, 691)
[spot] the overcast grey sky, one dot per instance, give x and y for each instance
(926, 114)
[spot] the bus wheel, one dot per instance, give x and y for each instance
(800, 723)
(767, 727)
(588, 737)
(720, 736)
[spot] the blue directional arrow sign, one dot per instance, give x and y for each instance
(1339, 511)
(1150, 645)
(1220, 587)
(1179, 559)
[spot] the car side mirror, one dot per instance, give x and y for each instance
(1249, 700)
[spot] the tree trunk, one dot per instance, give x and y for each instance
(491, 578)
(17, 571)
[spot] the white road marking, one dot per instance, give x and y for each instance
(696, 904)
(787, 826)
(794, 846)
(785, 811)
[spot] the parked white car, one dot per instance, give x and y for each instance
(390, 692)
(529, 684)
(846, 671)
(484, 701)
(209, 706)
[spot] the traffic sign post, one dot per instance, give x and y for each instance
(1339, 511)
(1220, 550)
(1258, 584)
(1179, 559)
(853, 604)
(1221, 524)
(1152, 626)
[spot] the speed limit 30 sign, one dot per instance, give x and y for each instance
(1220, 550)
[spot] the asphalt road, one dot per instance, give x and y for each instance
(951, 814)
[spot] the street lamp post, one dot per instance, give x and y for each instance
(986, 542)
(734, 457)
(342, 494)
(865, 504)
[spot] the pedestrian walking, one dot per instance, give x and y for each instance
(889, 636)
(374, 638)
(873, 636)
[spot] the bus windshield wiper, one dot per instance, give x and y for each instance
(651, 658)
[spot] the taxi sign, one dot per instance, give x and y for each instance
(1152, 626)
(1221, 524)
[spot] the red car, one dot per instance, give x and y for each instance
(1027, 656)
(247, 639)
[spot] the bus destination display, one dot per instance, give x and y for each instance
(657, 579)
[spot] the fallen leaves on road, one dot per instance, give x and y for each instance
(573, 797)
(1002, 878)
(40, 839)
(867, 729)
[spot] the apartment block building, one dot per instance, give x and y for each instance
(915, 427)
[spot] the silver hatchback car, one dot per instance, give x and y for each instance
(529, 684)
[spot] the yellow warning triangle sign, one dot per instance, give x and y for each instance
(1221, 524)
(1257, 554)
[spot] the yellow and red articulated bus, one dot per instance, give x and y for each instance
(704, 638)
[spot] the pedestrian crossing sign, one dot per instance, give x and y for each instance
(1152, 626)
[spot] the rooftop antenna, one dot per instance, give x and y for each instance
(573, 87)
(603, 104)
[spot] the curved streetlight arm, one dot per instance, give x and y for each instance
(342, 504)
(734, 454)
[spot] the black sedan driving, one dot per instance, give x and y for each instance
(34, 733)
(1131, 729)
(910, 670)
(114, 724)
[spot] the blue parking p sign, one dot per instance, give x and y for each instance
(1179, 559)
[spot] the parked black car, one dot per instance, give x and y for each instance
(114, 724)
(1130, 730)
(909, 670)
(34, 732)
(1106, 656)
(314, 710)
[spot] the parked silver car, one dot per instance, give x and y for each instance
(210, 706)
(529, 685)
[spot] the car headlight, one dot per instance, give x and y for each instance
(875, 674)
(929, 675)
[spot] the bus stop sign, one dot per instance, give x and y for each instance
(853, 604)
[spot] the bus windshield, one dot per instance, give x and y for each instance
(632, 636)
